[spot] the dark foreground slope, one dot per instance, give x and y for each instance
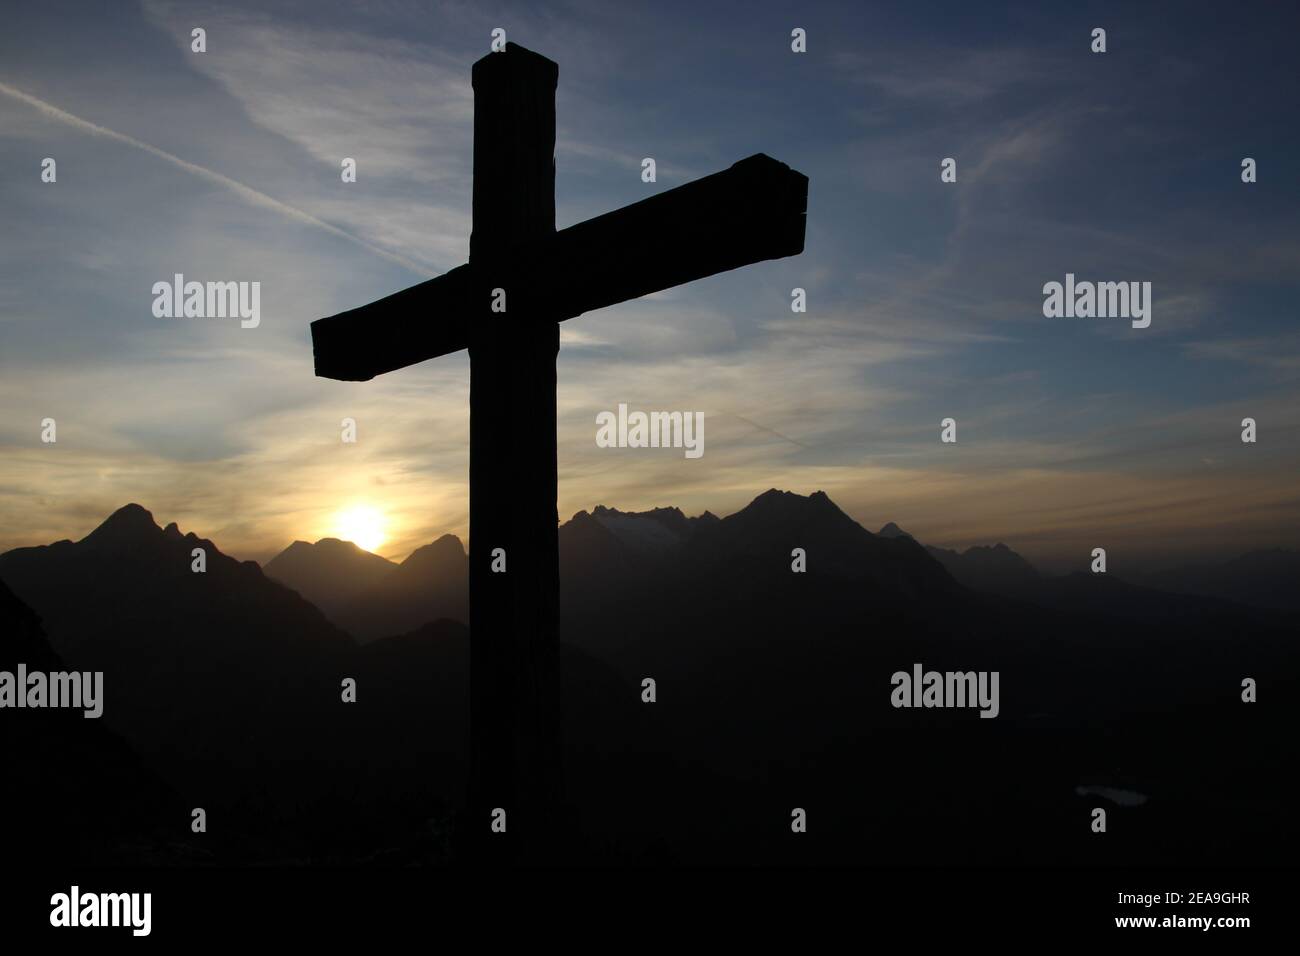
(224, 691)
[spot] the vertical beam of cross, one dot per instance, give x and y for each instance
(748, 213)
(514, 615)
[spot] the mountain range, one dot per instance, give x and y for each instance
(222, 690)
(371, 597)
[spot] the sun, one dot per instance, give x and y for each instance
(362, 525)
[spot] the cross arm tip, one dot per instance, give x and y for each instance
(422, 322)
(333, 353)
(763, 168)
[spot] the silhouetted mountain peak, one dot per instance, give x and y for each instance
(129, 524)
(762, 537)
(327, 550)
(437, 556)
(892, 530)
(589, 550)
(999, 550)
(328, 571)
(581, 518)
(331, 546)
(996, 569)
(786, 506)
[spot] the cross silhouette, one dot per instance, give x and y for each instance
(748, 213)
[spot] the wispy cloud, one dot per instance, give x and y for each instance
(1266, 352)
(245, 192)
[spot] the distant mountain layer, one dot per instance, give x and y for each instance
(1261, 578)
(997, 570)
(329, 573)
(371, 597)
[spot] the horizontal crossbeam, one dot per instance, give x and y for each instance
(748, 213)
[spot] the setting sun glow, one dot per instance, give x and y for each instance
(362, 525)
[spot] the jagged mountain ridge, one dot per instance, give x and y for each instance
(371, 597)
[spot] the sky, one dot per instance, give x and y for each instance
(924, 297)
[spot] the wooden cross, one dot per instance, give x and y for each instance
(748, 213)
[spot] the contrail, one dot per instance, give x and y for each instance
(247, 193)
(770, 431)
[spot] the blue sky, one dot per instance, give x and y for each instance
(924, 298)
